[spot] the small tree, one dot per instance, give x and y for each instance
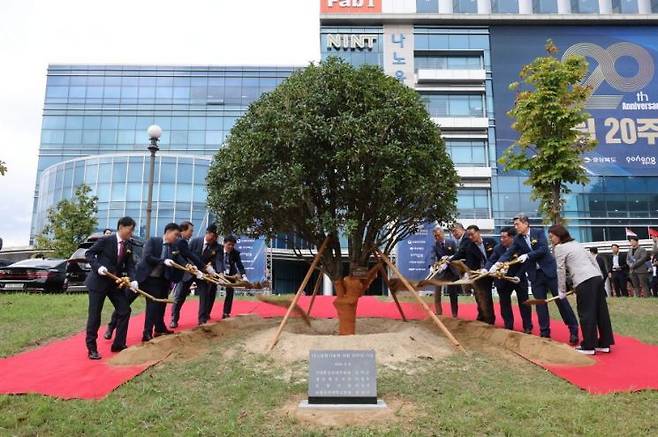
(335, 150)
(546, 115)
(3, 168)
(70, 222)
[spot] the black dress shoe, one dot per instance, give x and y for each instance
(165, 332)
(226, 316)
(527, 331)
(573, 340)
(173, 325)
(118, 348)
(146, 337)
(108, 335)
(545, 335)
(94, 355)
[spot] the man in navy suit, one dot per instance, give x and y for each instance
(539, 264)
(505, 288)
(207, 249)
(475, 253)
(113, 254)
(230, 264)
(155, 273)
(182, 289)
(460, 238)
(443, 248)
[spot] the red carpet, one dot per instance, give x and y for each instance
(61, 368)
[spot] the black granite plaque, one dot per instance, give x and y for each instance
(342, 377)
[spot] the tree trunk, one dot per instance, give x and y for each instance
(556, 205)
(348, 291)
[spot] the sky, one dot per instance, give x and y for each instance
(35, 33)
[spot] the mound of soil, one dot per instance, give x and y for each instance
(480, 336)
(186, 345)
(393, 341)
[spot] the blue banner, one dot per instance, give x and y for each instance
(414, 254)
(622, 74)
(253, 253)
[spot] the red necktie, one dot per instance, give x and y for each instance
(122, 251)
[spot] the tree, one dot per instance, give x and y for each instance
(546, 115)
(70, 222)
(3, 168)
(335, 150)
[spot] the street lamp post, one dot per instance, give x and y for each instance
(154, 132)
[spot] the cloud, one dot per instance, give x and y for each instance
(35, 33)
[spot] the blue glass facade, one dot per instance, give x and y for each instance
(121, 181)
(455, 75)
(93, 110)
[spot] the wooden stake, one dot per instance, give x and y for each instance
(314, 264)
(393, 292)
(406, 283)
(316, 288)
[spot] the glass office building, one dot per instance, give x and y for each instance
(461, 55)
(94, 132)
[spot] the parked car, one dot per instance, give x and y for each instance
(47, 275)
(77, 267)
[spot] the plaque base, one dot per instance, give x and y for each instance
(379, 405)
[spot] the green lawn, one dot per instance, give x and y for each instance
(216, 394)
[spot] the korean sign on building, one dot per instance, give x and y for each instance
(623, 107)
(399, 52)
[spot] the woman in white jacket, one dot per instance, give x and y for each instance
(576, 266)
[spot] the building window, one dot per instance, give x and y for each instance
(505, 6)
(465, 153)
(465, 6)
(473, 203)
(654, 6)
(544, 6)
(427, 6)
(455, 105)
(624, 6)
(585, 6)
(441, 62)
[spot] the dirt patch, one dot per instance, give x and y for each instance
(187, 345)
(480, 336)
(397, 411)
(394, 342)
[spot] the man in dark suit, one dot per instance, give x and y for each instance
(182, 289)
(113, 254)
(231, 264)
(460, 238)
(475, 253)
(654, 273)
(208, 250)
(532, 249)
(506, 288)
(618, 273)
(155, 273)
(443, 248)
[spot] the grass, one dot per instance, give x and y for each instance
(240, 394)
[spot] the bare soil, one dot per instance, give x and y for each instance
(395, 342)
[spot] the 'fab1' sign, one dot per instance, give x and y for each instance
(350, 6)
